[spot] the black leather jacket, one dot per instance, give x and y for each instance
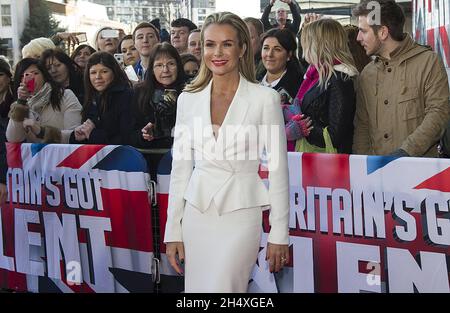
(334, 108)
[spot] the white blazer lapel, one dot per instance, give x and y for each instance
(204, 99)
(237, 112)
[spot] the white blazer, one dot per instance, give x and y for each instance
(226, 170)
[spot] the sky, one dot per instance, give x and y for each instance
(243, 8)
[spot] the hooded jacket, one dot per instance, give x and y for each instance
(402, 103)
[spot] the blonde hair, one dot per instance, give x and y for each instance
(97, 34)
(36, 46)
(325, 41)
(246, 63)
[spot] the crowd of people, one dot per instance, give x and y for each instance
(329, 88)
(339, 85)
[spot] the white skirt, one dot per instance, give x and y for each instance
(220, 251)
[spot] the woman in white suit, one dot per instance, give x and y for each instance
(225, 124)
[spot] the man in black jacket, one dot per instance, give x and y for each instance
(281, 15)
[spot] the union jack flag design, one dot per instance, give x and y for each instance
(417, 177)
(112, 184)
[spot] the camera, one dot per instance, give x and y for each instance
(165, 106)
(82, 37)
(119, 59)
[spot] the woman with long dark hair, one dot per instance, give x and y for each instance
(6, 94)
(64, 71)
(156, 98)
(81, 55)
(283, 70)
(106, 110)
(129, 51)
(44, 111)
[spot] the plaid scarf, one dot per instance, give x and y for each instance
(40, 100)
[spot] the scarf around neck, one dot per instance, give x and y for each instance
(311, 78)
(41, 99)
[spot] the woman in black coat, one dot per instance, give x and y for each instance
(106, 110)
(155, 101)
(283, 70)
(6, 93)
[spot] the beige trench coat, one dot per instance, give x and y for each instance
(402, 103)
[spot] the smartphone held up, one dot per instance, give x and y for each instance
(29, 83)
(119, 59)
(110, 33)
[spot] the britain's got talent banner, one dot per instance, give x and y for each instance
(357, 224)
(78, 220)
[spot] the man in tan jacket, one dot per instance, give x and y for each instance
(403, 94)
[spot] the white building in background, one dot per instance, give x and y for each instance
(135, 11)
(13, 16)
(84, 16)
(73, 15)
(243, 8)
(200, 9)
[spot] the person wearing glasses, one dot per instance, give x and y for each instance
(155, 100)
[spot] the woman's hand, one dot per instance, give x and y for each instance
(23, 92)
(277, 255)
(311, 17)
(79, 133)
(174, 251)
(31, 125)
(71, 38)
(147, 132)
(88, 127)
(299, 126)
(3, 194)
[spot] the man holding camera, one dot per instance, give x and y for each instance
(281, 17)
